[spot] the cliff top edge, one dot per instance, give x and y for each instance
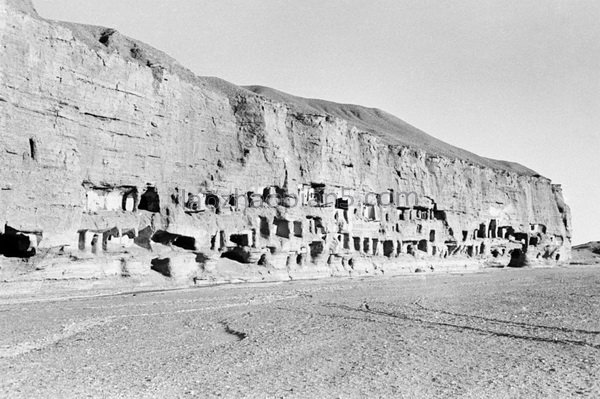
(374, 121)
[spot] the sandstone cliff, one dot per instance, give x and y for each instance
(111, 150)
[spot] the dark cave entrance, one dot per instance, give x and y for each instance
(130, 200)
(297, 229)
(356, 241)
(516, 258)
(341, 203)
(241, 240)
(150, 200)
(282, 228)
(316, 249)
(264, 227)
(212, 201)
(388, 248)
(13, 244)
(166, 238)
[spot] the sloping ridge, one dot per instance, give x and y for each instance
(592, 246)
(377, 122)
(586, 254)
(390, 128)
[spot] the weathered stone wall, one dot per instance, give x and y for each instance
(90, 120)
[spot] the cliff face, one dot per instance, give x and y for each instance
(109, 146)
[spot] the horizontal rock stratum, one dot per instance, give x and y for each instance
(117, 161)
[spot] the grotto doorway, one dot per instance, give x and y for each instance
(388, 248)
(150, 200)
(14, 244)
(166, 238)
(212, 201)
(517, 258)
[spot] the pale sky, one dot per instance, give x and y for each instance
(515, 80)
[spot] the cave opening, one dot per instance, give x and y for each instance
(452, 246)
(81, 241)
(481, 233)
(162, 266)
(263, 260)
(282, 228)
(439, 215)
(346, 240)
(521, 237)
(356, 241)
(317, 194)
(274, 195)
(316, 248)
(241, 240)
(319, 228)
(388, 248)
(470, 250)
(105, 36)
(107, 236)
(212, 201)
(150, 201)
(265, 232)
(166, 238)
(130, 199)
(298, 229)
(366, 245)
(237, 254)
(341, 203)
(516, 257)
(16, 245)
(185, 242)
(401, 214)
(508, 231)
(94, 243)
(369, 212)
(422, 213)
(493, 229)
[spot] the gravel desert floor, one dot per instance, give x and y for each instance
(499, 333)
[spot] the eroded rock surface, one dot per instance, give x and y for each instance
(114, 154)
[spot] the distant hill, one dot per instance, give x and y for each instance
(588, 253)
(382, 124)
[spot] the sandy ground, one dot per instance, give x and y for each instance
(499, 333)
